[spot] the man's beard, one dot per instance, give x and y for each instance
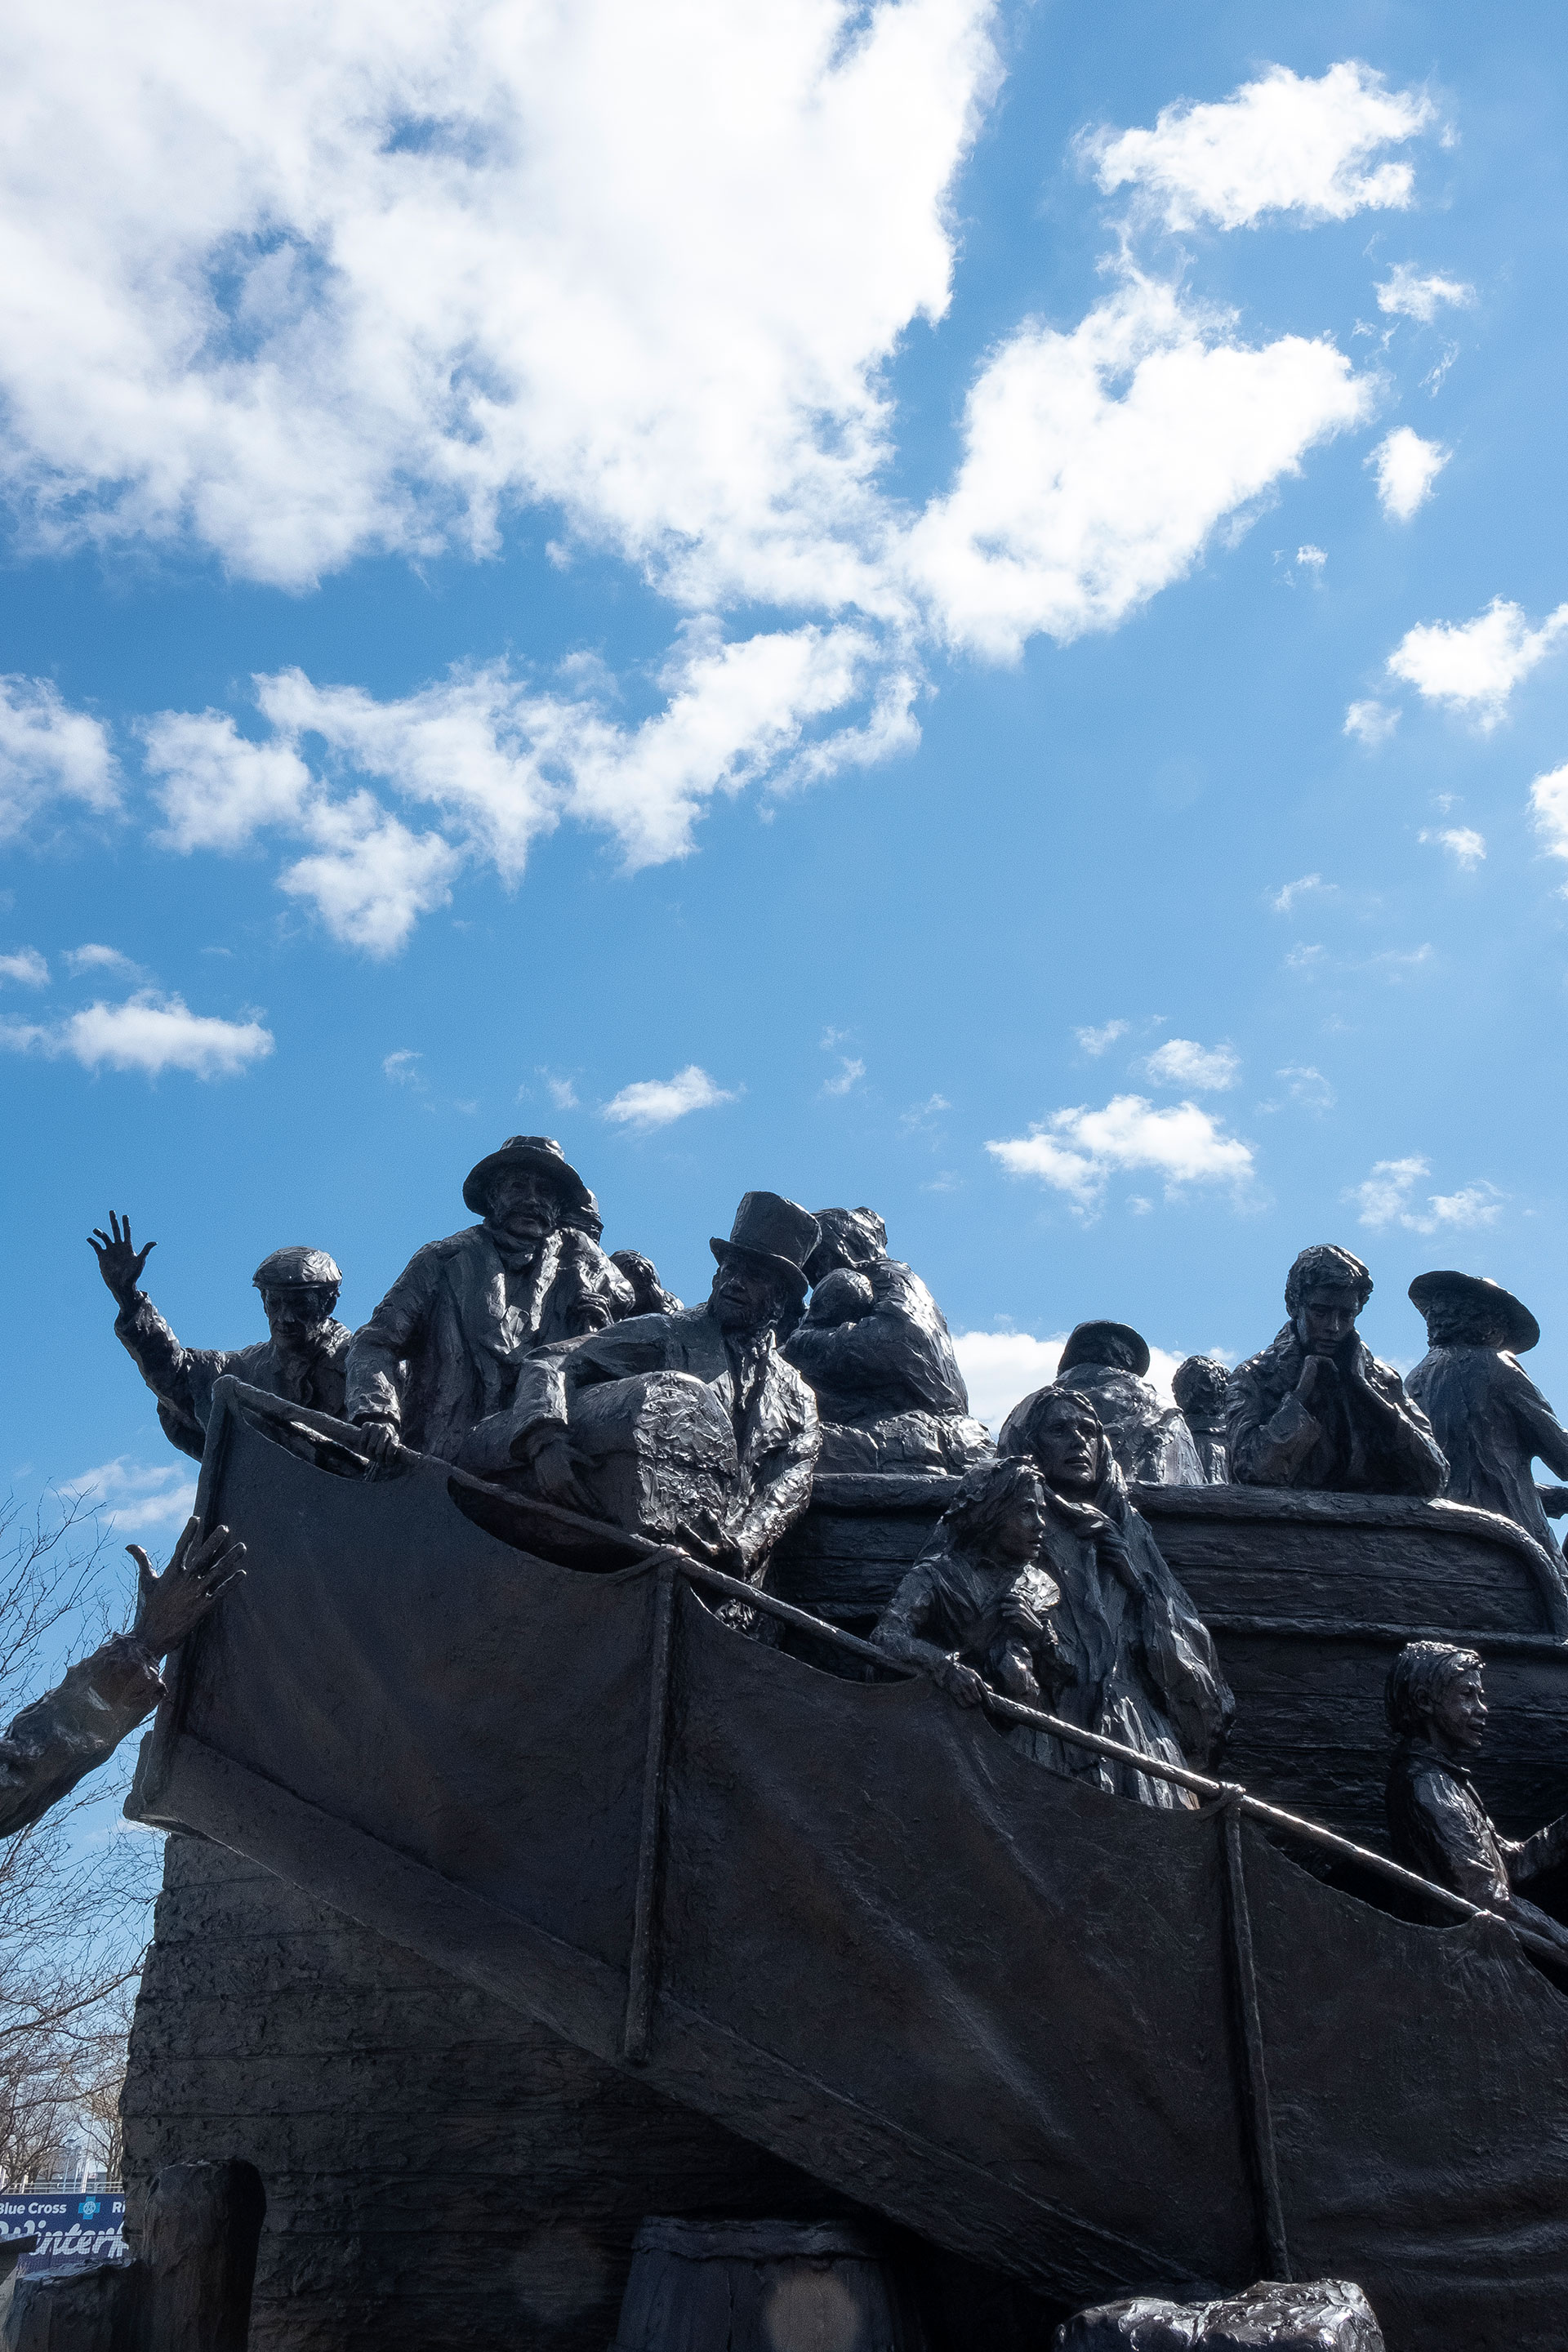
(518, 1249)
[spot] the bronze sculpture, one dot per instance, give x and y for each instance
(1199, 1386)
(1106, 1361)
(975, 1609)
(876, 1349)
(1316, 1409)
(1438, 1710)
(1486, 1413)
(303, 1357)
(690, 1424)
(1142, 1669)
(648, 1294)
(442, 1349)
(59, 1739)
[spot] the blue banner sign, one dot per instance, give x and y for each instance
(72, 2228)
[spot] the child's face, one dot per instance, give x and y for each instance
(1459, 1715)
(1022, 1531)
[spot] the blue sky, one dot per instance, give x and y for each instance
(971, 600)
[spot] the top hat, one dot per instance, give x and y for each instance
(772, 1231)
(297, 1268)
(1519, 1326)
(1084, 1338)
(544, 1156)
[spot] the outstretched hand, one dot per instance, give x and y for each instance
(119, 1260)
(170, 1606)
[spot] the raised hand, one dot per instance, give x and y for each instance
(170, 1606)
(119, 1260)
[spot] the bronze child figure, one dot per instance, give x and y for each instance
(975, 1608)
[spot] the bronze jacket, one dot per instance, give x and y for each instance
(62, 1737)
(181, 1378)
(1276, 1441)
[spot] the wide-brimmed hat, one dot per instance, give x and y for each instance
(772, 1231)
(1517, 1326)
(545, 1156)
(298, 1268)
(1084, 1338)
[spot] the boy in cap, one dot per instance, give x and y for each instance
(302, 1359)
(1486, 1413)
(443, 1350)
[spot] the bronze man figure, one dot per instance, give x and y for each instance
(1316, 1409)
(1486, 1413)
(443, 1350)
(302, 1359)
(1106, 1362)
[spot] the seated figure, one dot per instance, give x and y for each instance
(1199, 1387)
(442, 1350)
(1438, 1710)
(1486, 1413)
(1151, 1443)
(876, 1349)
(1133, 1660)
(303, 1357)
(1316, 1409)
(687, 1427)
(975, 1608)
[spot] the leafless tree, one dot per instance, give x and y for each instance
(74, 1907)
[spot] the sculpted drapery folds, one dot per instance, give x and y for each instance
(876, 1349)
(1140, 1666)
(1316, 1409)
(303, 1357)
(1486, 1413)
(444, 1349)
(689, 1426)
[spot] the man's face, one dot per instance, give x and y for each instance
(1326, 1318)
(1459, 1715)
(746, 1297)
(523, 1205)
(1067, 1449)
(295, 1315)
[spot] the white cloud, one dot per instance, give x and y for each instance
(370, 880)
(654, 1102)
(1304, 957)
(93, 956)
(1405, 293)
(1097, 462)
(1464, 845)
(1303, 885)
(1476, 665)
(1313, 558)
(1549, 810)
(148, 1033)
(562, 1092)
(219, 788)
(403, 1067)
(304, 292)
(1370, 722)
(26, 966)
(49, 753)
(136, 1495)
(850, 1073)
(1407, 468)
(1180, 1061)
(1077, 1150)
(1097, 1041)
(1000, 1368)
(1307, 1087)
(1387, 1197)
(1280, 145)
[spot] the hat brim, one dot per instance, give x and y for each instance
(561, 1174)
(768, 1261)
(1086, 1332)
(1519, 1329)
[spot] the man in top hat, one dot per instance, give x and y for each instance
(1486, 1413)
(302, 1358)
(443, 1350)
(1315, 1409)
(1106, 1362)
(688, 1426)
(876, 1349)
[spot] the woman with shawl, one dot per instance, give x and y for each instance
(1140, 1664)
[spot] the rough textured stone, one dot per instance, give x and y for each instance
(91, 2310)
(439, 2172)
(1311, 2316)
